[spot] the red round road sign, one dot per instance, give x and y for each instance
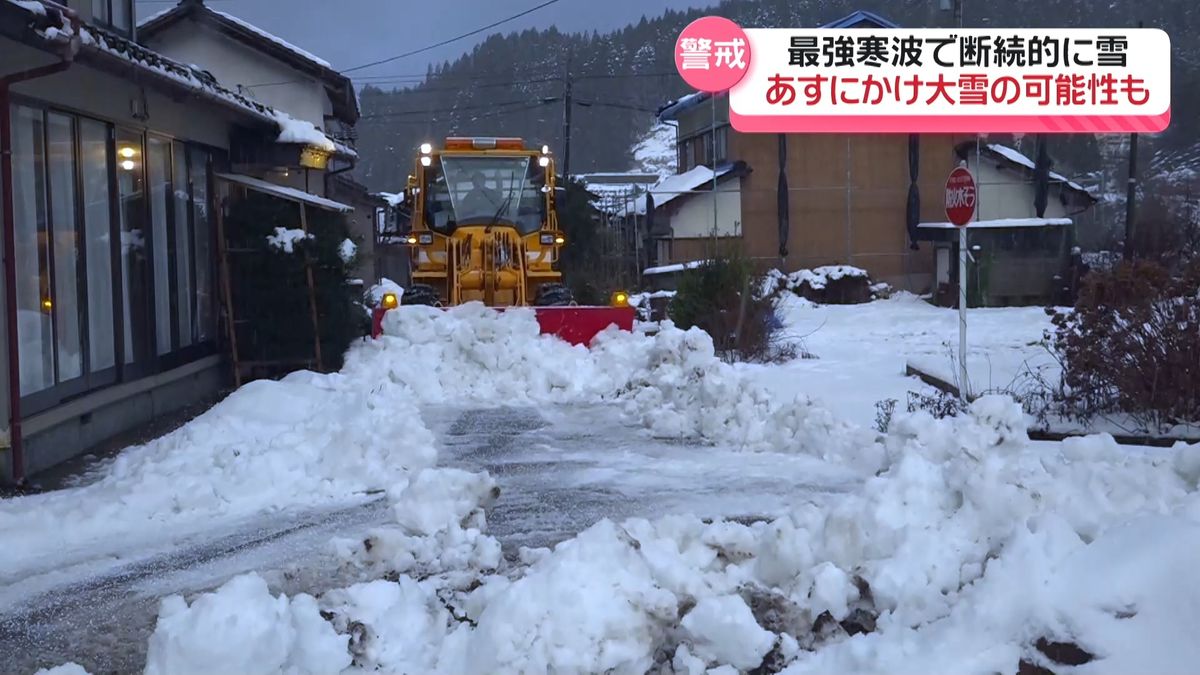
(960, 197)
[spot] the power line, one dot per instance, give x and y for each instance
(468, 34)
(467, 108)
(474, 118)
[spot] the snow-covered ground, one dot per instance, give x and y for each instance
(952, 545)
(861, 351)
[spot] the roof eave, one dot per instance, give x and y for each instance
(339, 87)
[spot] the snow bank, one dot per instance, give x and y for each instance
(970, 547)
(241, 628)
(672, 383)
(285, 239)
(304, 440)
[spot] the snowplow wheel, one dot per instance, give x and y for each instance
(420, 294)
(554, 295)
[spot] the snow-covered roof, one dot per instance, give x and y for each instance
(672, 268)
(860, 17)
(159, 19)
(1003, 222)
(283, 192)
(100, 44)
(1014, 156)
(682, 183)
(341, 90)
(273, 38)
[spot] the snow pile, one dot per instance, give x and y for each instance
(306, 439)
(347, 250)
(971, 550)
(671, 383)
(285, 239)
(241, 628)
(816, 279)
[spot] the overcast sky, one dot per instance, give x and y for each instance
(349, 33)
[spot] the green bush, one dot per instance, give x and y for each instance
(723, 298)
(270, 286)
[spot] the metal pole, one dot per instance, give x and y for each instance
(567, 104)
(713, 160)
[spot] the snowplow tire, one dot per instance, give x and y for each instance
(420, 294)
(554, 295)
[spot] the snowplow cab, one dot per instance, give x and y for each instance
(484, 228)
(484, 225)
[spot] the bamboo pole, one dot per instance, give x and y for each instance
(312, 292)
(227, 295)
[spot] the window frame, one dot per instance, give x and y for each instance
(143, 365)
(106, 19)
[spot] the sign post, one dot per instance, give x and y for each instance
(960, 208)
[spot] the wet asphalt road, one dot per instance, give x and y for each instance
(560, 470)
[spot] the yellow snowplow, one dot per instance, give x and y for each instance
(484, 228)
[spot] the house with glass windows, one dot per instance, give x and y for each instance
(115, 159)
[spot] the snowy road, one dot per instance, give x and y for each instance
(560, 470)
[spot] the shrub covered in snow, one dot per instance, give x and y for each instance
(270, 285)
(722, 296)
(1131, 346)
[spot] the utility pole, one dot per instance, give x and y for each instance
(713, 161)
(567, 105)
(1131, 193)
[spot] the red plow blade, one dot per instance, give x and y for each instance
(574, 324)
(578, 325)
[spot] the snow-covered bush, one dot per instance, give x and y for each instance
(1131, 346)
(270, 284)
(724, 298)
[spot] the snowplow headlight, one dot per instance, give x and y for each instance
(620, 299)
(547, 239)
(426, 160)
(426, 148)
(560, 240)
(410, 239)
(425, 238)
(543, 161)
(390, 301)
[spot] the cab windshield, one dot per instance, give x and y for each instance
(485, 191)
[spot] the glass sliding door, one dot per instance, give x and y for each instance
(135, 282)
(96, 167)
(162, 204)
(205, 329)
(35, 326)
(65, 259)
(184, 270)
